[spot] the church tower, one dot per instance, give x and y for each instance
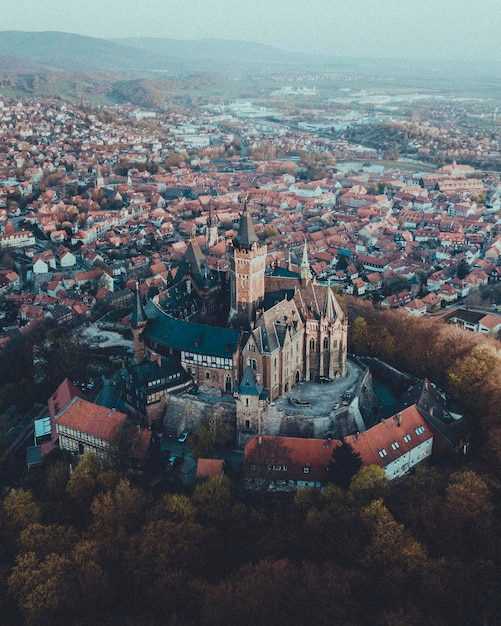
(99, 183)
(247, 261)
(211, 229)
(138, 321)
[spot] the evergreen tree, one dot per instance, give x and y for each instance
(344, 465)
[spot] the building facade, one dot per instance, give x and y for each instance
(281, 325)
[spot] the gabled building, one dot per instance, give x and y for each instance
(283, 463)
(83, 426)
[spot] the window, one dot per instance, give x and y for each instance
(306, 469)
(207, 374)
(407, 438)
(326, 343)
(382, 453)
(246, 401)
(420, 430)
(395, 446)
(312, 344)
(247, 424)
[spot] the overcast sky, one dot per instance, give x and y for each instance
(381, 28)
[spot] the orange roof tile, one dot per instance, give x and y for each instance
(91, 418)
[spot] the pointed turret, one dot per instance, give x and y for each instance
(246, 236)
(305, 267)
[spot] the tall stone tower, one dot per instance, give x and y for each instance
(249, 408)
(247, 261)
(138, 321)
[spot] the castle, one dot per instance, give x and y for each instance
(253, 333)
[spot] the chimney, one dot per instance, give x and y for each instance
(399, 418)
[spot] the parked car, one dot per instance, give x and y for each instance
(184, 436)
(323, 379)
(174, 460)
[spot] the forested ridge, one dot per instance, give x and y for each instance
(92, 546)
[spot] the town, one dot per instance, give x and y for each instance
(250, 325)
(101, 208)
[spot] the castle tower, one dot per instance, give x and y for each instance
(249, 408)
(305, 267)
(138, 321)
(247, 261)
(211, 229)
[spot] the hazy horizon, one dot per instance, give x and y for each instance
(361, 28)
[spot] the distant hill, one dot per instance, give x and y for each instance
(70, 52)
(65, 51)
(13, 64)
(75, 66)
(213, 54)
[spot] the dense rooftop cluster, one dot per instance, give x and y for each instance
(92, 200)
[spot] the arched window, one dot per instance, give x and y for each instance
(312, 345)
(326, 343)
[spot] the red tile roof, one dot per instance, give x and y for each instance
(382, 435)
(291, 453)
(209, 467)
(91, 418)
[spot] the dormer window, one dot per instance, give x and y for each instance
(383, 453)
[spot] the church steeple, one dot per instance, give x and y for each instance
(211, 228)
(305, 267)
(99, 177)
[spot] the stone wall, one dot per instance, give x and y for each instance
(187, 412)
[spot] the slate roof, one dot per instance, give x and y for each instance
(190, 337)
(248, 385)
(150, 371)
(246, 235)
(273, 325)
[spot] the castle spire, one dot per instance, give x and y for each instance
(246, 236)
